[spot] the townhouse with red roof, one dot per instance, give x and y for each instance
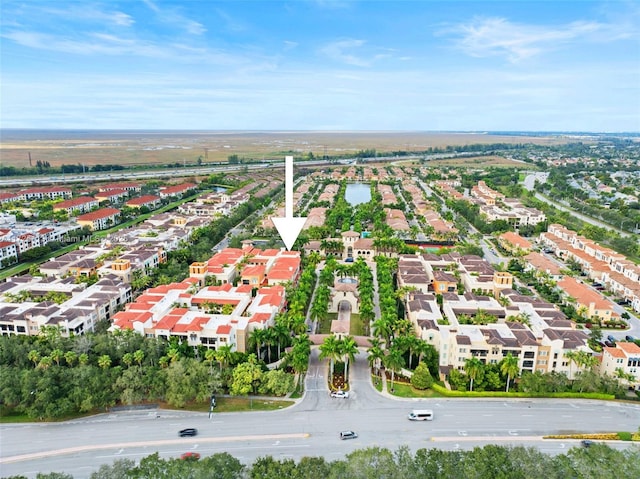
(45, 193)
(514, 243)
(212, 316)
(623, 357)
(9, 197)
(600, 263)
(150, 201)
(176, 190)
(113, 196)
(132, 187)
(592, 303)
(81, 204)
(100, 219)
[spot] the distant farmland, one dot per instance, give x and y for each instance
(163, 147)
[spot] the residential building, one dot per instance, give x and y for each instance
(100, 219)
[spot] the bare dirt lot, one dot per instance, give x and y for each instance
(153, 147)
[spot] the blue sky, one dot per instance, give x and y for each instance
(320, 65)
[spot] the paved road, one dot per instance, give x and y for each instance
(310, 428)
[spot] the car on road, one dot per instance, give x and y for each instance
(194, 456)
(339, 394)
(190, 431)
(628, 337)
(611, 338)
(348, 435)
(587, 443)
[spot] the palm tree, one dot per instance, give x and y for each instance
(138, 356)
(269, 340)
(394, 362)
(299, 355)
(83, 359)
(127, 359)
(70, 357)
(504, 301)
(34, 356)
(209, 357)
(257, 338)
(349, 351)
(376, 354)
(509, 366)
(223, 355)
(474, 368)
(522, 318)
(382, 328)
(589, 361)
(45, 362)
(56, 355)
(330, 349)
(572, 356)
(282, 335)
(104, 361)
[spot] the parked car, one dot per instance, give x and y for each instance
(587, 443)
(194, 456)
(610, 344)
(628, 337)
(190, 431)
(339, 394)
(611, 338)
(348, 435)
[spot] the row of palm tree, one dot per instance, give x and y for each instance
(276, 335)
(342, 350)
(509, 366)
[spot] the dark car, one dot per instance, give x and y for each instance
(348, 435)
(190, 431)
(609, 344)
(587, 443)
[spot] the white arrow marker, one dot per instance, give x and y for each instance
(288, 227)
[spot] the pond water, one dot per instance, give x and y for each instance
(357, 193)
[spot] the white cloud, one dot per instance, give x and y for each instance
(483, 37)
(342, 51)
(173, 17)
(289, 45)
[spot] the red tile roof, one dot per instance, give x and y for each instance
(223, 329)
(172, 190)
(143, 200)
(99, 214)
(80, 200)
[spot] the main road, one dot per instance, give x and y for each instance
(309, 428)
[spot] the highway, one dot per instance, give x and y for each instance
(128, 175)
(310, 428)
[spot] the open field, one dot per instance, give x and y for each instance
(469, 161)
(152, 147)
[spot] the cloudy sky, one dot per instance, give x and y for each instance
(320, 65)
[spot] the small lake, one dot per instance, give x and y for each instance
(357, 193)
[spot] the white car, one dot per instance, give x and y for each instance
(339, 394)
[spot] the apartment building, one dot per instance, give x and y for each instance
(77, 315)
(100, 219)
(81, 204)
(624, 358)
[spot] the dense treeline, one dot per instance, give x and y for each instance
(50, 376)
(488, 462)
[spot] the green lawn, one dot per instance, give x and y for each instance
(239, 404)
(408, 391)
(325, 323)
